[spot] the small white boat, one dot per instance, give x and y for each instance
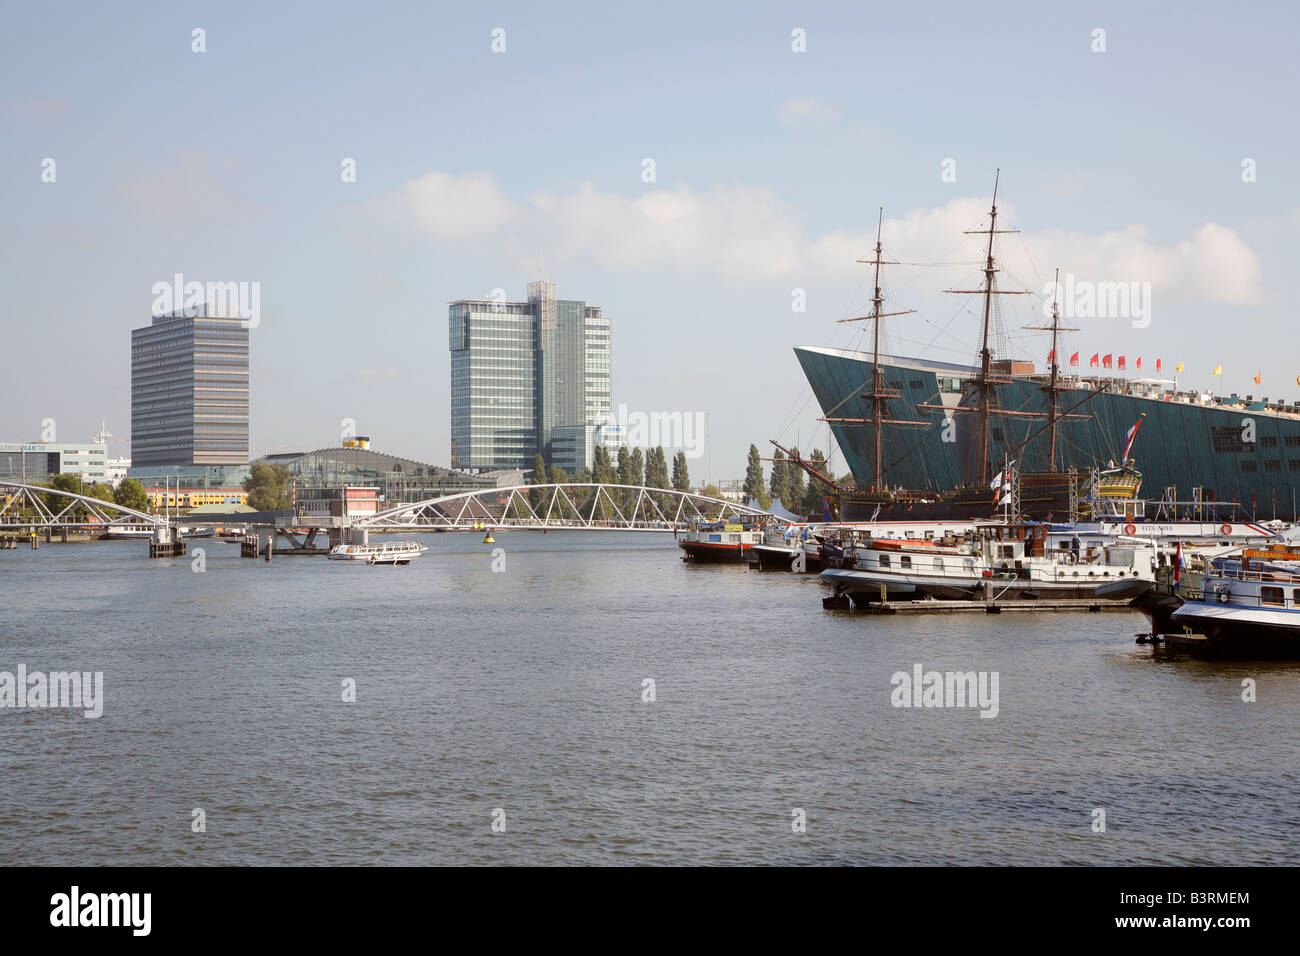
(390, 552)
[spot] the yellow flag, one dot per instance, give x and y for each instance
(1180, 368)
(1218, 370)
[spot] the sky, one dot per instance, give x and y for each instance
(1161, 152)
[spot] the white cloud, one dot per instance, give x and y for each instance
(745, 234)
(448, 207)
(806, 111)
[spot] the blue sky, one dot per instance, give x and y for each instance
(474, 166)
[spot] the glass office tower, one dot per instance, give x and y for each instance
(522, 370)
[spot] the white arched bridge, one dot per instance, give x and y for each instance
(569, 506)
(32, 507)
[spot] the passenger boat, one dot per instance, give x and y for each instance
(1248, 607)
(390, 552)
(998, 562)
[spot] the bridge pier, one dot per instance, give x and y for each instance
(166, 543)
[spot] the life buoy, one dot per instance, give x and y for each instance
(1226, 528)
(1130, 529)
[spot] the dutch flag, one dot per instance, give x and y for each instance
(1132, 434)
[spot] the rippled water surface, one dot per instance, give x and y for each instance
(522, 690)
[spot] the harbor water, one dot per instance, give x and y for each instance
(523, 688)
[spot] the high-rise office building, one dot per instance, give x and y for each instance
(189, 392)
(524, 377)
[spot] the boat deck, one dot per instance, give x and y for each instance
(1089, 605)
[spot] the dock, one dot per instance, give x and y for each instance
(1083, 605)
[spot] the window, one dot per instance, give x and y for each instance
(1227, 439)
(905, 561)
(916, 383)
(1268, 595)
(1248, 465)
(884, 560)
(1268, 441)
(1273, 465)
(938, 564)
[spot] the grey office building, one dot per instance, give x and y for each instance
(189, 390)
(522, 375)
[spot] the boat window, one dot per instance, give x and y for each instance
(938, 564)
(1268, 595)
(905, 561)
(884, 560)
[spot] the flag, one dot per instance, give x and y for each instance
(996, 483)
(1105, 362)
(1092, 363)
(1157, 365)
(1139, 363)
(1218, 370)
(1051, 356)
(1132, 434)
(1178, 565)
(1121, 361)
(1179, 369)
(1257, 375)
(1074, 360)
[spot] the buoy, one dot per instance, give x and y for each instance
(489, 539)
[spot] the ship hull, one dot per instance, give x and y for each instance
(1181, 447)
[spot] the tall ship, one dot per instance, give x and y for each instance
(926, 438)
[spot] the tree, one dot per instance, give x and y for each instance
(754, 485)
(793, 483)
(538, 477)
(602, 469)
(624, 467)
(711, 491)
(776, 482)
(812, 496)
(268, 487)
(681, 476)
(558, 476)
(57, 503)
(656, 468)
(130, 494)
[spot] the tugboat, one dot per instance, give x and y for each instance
(1248, 607)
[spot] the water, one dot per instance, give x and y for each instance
(522, 690)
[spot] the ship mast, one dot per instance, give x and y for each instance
(879, 394)
(1052, 388)
(986, 380)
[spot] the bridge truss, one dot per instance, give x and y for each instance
(570, 506)
(31, 506)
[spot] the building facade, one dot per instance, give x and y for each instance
(189, 391)
(39, 461)
(520, 372)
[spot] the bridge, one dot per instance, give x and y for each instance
(574, 506)
(34, 507)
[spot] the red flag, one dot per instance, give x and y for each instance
(1051, 356)
(1074, 359)
(1256, 378)
(1157, 365)
(1121, 361)
(1139, 363)
(1092, 362)
(1105, 362)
